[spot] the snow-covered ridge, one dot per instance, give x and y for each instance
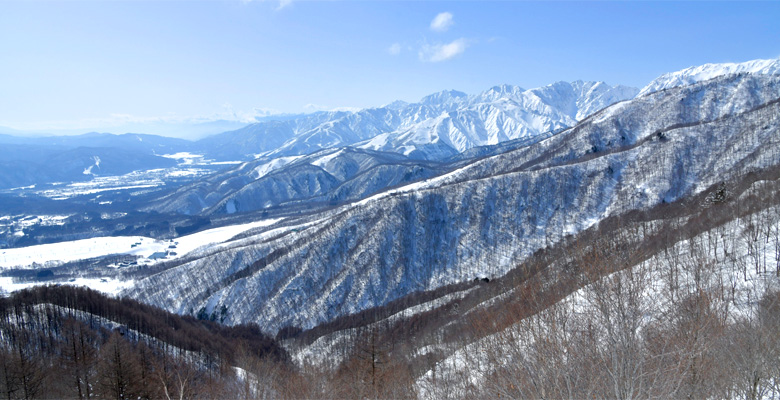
(330, 176)
(705, 72)
(273, 165)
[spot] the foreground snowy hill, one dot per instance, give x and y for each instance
(686, 292)
(483, 219)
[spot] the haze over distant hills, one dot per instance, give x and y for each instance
(190, 129)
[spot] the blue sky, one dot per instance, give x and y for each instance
(86, 65)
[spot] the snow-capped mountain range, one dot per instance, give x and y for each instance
(389, 145)
(449, 122)
(439, 126)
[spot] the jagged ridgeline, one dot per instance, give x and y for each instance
(439, 125)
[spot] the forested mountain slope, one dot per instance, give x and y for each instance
(680, 300)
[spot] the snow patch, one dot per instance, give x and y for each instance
(273, 165)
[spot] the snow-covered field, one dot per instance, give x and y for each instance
(109, 286)
(186, 158)
(135, 180)
(144, 247)
(191, 166)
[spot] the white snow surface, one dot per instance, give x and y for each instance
(109, 286)
(324, 160)
(189, 243)
(265, 169)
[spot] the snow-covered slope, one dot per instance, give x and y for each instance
(704, 72)
(482, 219)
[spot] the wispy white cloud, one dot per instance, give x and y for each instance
(394, 49)
(347, 109)
(442, 52)
(442, 22)
(229, 113)
(281, 3)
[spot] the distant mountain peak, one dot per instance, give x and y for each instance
(501, 91)
(444, 97)
(439, 126)
(506, 88)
